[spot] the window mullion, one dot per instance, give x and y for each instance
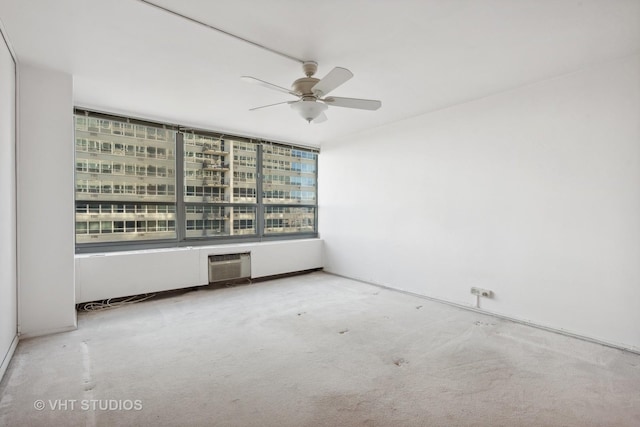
(180, 209)
(315, 205)
(260, 206)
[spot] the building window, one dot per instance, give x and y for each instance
(128, 192)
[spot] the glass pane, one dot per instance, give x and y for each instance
(218, 170)
(117, 222)
(244, 172)
(217, 221)
(282, 219)
(289, 175)
(206, 168)
(121, 169)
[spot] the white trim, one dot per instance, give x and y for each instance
(14, 343)
(43, 332)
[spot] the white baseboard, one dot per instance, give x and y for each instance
(43, 332)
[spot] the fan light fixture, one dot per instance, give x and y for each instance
(309, 110)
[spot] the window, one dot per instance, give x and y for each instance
(128, 192)
(109, 175)
(289, 178)
(217, 203)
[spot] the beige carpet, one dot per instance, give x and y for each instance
(313, 350)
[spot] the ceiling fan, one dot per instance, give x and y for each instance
(312, 93)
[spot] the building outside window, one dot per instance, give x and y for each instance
(289, 181)
(215, 201)
(128, 192)
(117, 165)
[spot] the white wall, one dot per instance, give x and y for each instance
(45, 201)
(110, 275)
(46, 255)
(532, 193)
(8, 279)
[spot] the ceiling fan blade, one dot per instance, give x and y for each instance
(272, 105)
(321, 118)
(268, 85)
(361, 104)
(335, 78)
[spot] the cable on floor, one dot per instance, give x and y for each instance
(113, 302)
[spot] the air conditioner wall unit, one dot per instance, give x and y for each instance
(229, 267)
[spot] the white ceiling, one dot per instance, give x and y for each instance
(414, 55)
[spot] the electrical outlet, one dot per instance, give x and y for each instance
(481, 292)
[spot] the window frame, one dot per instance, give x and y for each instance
(130, 127)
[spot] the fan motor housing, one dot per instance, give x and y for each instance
(309, 68)
(304, 85)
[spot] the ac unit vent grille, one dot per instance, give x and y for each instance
(228, 267)
(227, 257)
